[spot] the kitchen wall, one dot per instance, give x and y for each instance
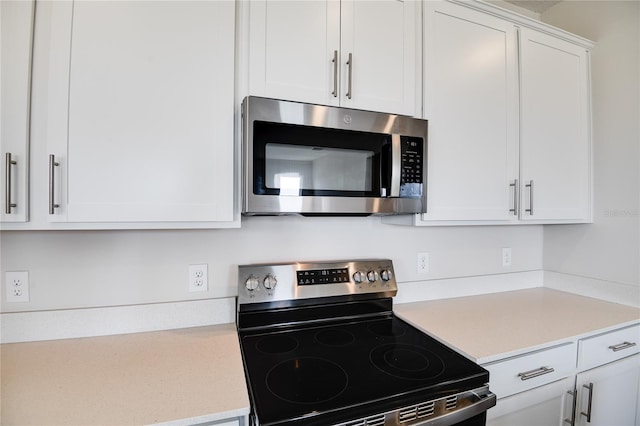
(77, 269)
(604, 257)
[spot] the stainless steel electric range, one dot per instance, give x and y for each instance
(321, 346)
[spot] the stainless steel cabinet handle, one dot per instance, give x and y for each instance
(52, 165)
(535, 373)
(350, 75)
(515, 197)
(335, 74)
(588, 413)
(7, 183)
(530, 186)
(572, 420)
(621, 346)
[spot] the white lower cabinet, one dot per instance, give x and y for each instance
(549, 404)
(609, 378)
(594, 381)
(608, 395)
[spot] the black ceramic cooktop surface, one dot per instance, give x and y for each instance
(321, 374)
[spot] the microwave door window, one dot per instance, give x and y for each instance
(310, 170)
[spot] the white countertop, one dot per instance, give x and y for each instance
(188, 375)
(495, 326)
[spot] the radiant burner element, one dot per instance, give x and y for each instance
(307, 380)
(407, 362)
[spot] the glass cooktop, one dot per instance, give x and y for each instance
(314, 374)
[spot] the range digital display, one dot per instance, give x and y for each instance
(323, 276)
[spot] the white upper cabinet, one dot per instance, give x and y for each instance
(357, 54)
(16, 38)
(291, 49)
(555, 143)
(470, 100)
(508, 104)
(150, 101)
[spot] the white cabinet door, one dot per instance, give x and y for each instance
(547, 405)
(378, 45)
(555, 146)
(292, 45)
(613, 391)
(300, 50)
(16, 39)
(150, 125)
(470, 100)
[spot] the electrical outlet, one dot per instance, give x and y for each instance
(198, 278)
(423, 263)
(506, 256)
(17, 286)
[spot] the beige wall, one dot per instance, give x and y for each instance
(609, 249)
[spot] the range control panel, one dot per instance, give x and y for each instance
(304, 280)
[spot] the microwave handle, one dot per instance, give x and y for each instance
(396, 165)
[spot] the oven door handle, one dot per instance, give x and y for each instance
(486, 400)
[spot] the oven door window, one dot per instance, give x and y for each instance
(294, 160)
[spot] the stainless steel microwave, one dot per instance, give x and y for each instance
(318, 160)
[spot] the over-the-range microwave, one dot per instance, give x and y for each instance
(309, 159)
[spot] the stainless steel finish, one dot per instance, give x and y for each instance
(259, 276)
(52, 165)
(572, 420)
(535, 373)
(449, 410)
(9, 163)
(335, 74)
(514, 210)
(530, 186)
(396, 165)
(350, 75)
(590, 401)
(277, 111)
(621, 346)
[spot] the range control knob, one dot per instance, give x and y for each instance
(252, 283)
(386, 274)
(372, 276)
(358, 277)
(270, 282)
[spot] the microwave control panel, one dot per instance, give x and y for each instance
(412, 163)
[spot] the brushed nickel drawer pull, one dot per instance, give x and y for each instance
(350, 75)
(530, 209)
(514, 210)
(590, 402)
(7, 182)
(535, 373)
(52, 176)
(572, 420)
(621, 346)
(335, 74)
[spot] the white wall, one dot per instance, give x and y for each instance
(608, 250)
(73, 269)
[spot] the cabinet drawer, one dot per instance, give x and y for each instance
(528, 371)
(608, 347)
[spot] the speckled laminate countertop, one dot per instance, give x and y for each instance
(494, 326)
(188, 375)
